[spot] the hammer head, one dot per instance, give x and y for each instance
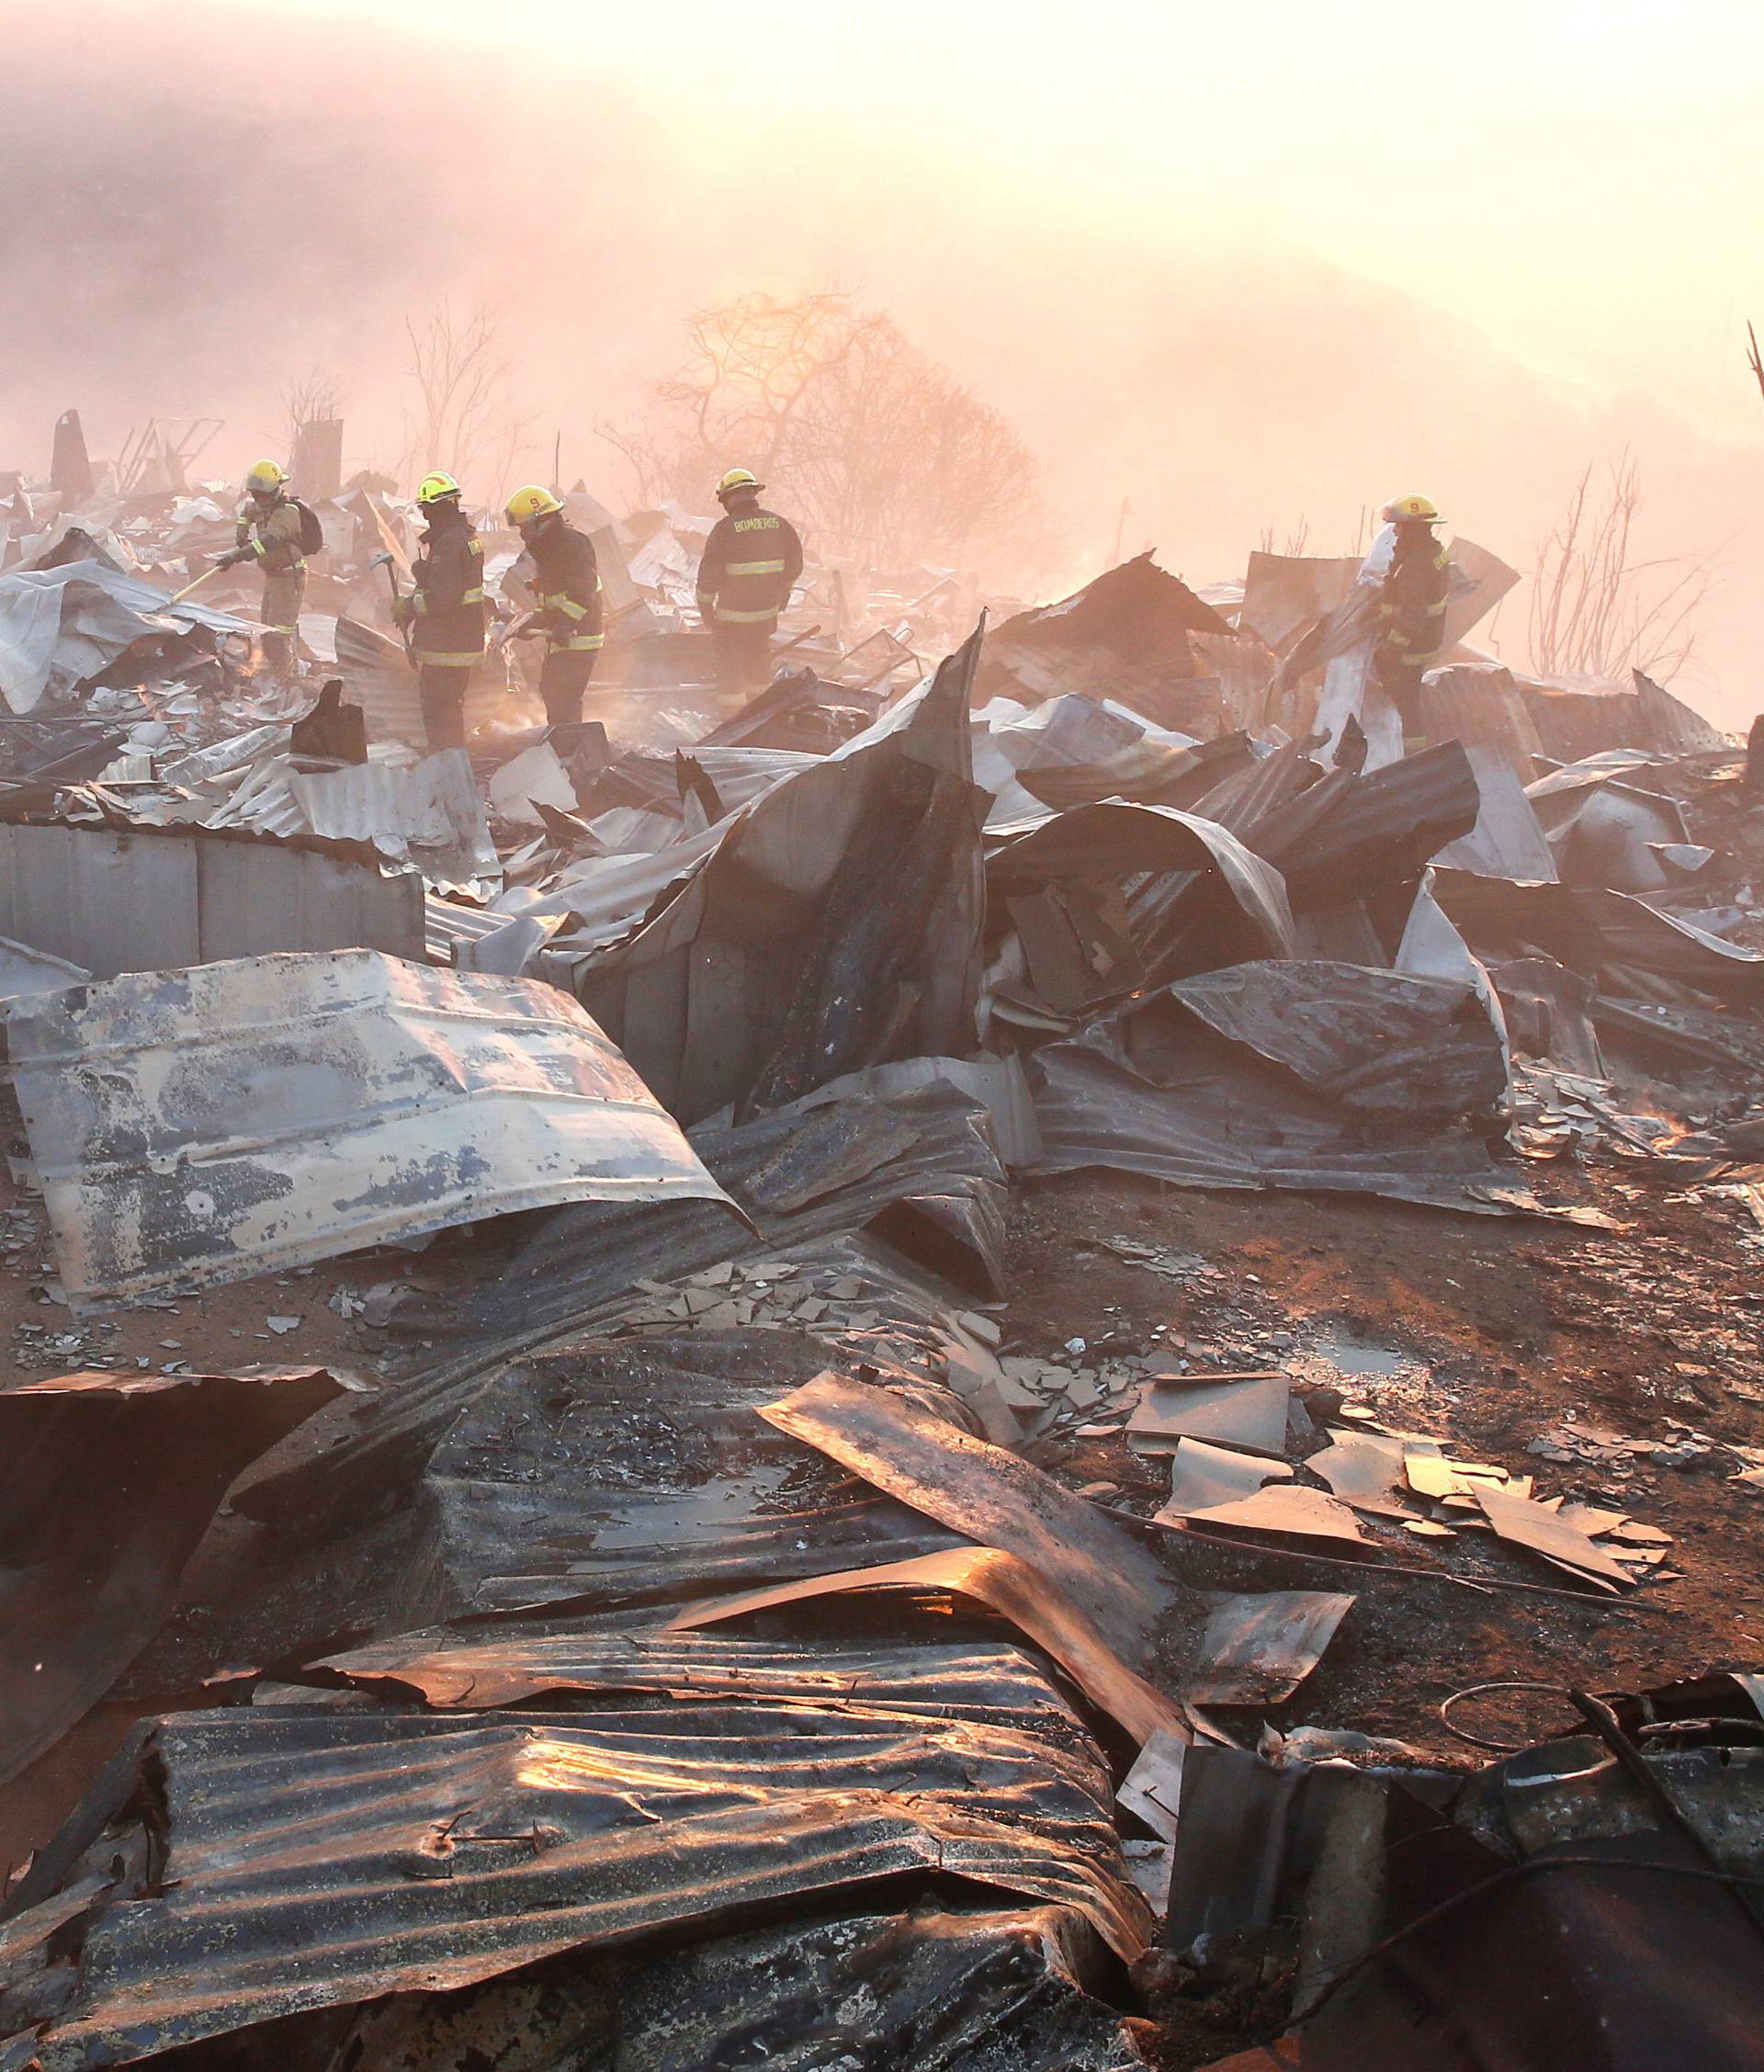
(380, 561)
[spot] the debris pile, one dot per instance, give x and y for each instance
(723, 1555)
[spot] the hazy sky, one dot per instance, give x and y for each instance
(1581, 180)
(1249, 270)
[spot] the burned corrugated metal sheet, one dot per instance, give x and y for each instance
(115, 901)
(308, 1860)
(1350, 836)
(1285, 594)
(1123, 636)
(641, 1472)
(1600, 933)
(1580, 715)
(916, 1454)
(1243, 898)
(433, 813)
(482, 1668)
(1480, 705)
(377, 676)
(1002, 1583)
(961, 1987)
(1368, 1038)
(938, 1192)
(1158, 1089)
(106, 1483)
(201, 1126)
(775, 967)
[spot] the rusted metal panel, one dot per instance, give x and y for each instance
(202, 1126)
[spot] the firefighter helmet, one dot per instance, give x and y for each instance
(1411, 510)
(437, 488)
(531, 502)
(265, 478)
(738, 479)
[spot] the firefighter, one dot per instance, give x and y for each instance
(1411, 611)
(750, 562)
(566, 582)
(271, 531)
(443, 617)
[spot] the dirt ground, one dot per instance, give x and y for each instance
(1507, 1326)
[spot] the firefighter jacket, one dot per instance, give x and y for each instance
(1413, 605)
(750, 564)
(447, 599)
(271, 531)
(565, 582)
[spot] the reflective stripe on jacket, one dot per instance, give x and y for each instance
(750, 565)
(1415, 596)
(447, 599)
(271, 531)
(565, 582)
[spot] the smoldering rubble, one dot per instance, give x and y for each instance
(703, 1620)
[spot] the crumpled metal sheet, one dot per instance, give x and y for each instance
(1027, 1988)
(938, 1192)
(1248, 910)
(1157, 1089)
(1580, 715)
(432, 812)
(201, 1126)
(315, 1859)
(1605, 936)
(481, 1668)
(915, 1454)
(776, 967)
(638, 1473)
(1604, 829)
(106, 1483)
(1125, 636)
(1368, 1038)
(1350, 836)
(60, 626)
(1004, 1584)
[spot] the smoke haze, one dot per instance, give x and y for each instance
(203, 207)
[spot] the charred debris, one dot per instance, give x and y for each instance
(642, 1591)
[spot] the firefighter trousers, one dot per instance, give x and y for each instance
(283, 595)
(441, 691)
(563, 677)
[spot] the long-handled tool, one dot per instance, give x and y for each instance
(198, 583)
(385, 561)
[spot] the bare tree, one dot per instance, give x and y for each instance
(1595, 609)
(465, 415)
(887, 458)
(315, 397)
(1298, 537)
(1752, 359)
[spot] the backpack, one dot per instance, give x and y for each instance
(312, 531)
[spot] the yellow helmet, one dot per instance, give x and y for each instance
(1411, 510)
(738, 478)
(264, 477)
(437, 488)
(530, 502)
